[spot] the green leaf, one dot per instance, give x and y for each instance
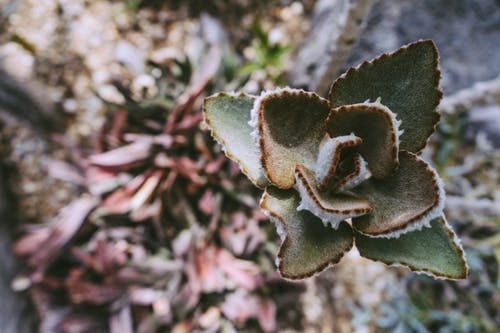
(435, 250)
(406, 201)
(329, 156)
(228, 115)
(330, 208)
(290, 127)
(308, 246)
(408, 83)
(377, 126)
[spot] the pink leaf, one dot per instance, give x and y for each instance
(188, 122)
(125, 157)
(30, 243)
(65, 171)
(81, 291)
(206, 203)
(211, 277)
(239, 307)
(146, 190)
(144, 295)
(214, 166)
(66, 225)
(119, 202)
(181, 243)
(121, 321)
(242, 272)
(267, 315)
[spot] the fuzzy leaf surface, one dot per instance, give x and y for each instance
(228, 115)
(308, 246)
(433, 250)
(377, 126)
(407, 200)
(329, 157)
(330, 208)
(290, 126)
(407, 80)
(351, 172)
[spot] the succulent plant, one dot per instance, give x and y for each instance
(346, 170)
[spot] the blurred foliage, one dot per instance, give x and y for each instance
(424, 305)
(268, 56)
(174, 241)
(84, 265)
(449, 129)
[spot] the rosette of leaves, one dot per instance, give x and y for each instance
(346, 170)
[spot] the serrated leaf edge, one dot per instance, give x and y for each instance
(402, 49)
(260, 183)
(360, 174)
(309, 201)
(457, 244)
(257, 119)
(331, 161)
(377, 107)
(278, 221)
(424, 219)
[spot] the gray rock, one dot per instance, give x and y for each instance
(335, 25)
(466, 32)
(130, 56)
(484, 123)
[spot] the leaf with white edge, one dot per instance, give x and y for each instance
(228, 115)
(377, 126)
(406, 201)
(289, 128)
(351, 176)
(330, 208)
(308, 246)
(329, 157)
(435, 250)
(407, 80)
